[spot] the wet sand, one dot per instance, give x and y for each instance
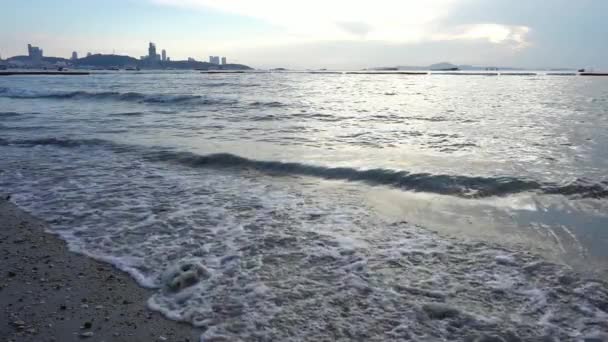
(48, 293)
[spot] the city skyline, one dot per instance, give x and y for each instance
(36, 53)
(340, 34)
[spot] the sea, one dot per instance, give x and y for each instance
(328, 207)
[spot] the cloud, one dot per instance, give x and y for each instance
(396, 21)
(356, 27)
(493, 33)
(320, 19)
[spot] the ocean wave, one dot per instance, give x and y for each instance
(61, 142)
(8, 114)
(267, 104)
(127, 114)
(112, 95)
(464, 186)
(230, 84)
(236, 256)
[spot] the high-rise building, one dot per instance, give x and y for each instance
(214, 59)
(224, 60)
(74, 55)
(151, 50)
(164, 55)
(34, 52)
(89, 54)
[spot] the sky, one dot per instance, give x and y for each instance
(336, 34)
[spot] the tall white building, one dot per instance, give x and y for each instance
(152, 55)
(74, 55)
(214, 60)
(164, 55)
(34, 52)
(224, 60)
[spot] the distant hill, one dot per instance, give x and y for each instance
(443, 66)
(54, 60)
(24, 59)
(200, 66)
(107, 61)
(235, 67)
(18, 59)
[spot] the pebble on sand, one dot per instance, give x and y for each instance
(440, 311)
(87, 334)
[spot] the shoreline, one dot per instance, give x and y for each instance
(49, 293)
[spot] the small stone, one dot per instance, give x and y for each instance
(62, 307)
(162, 338)
(87, 325)
(566, 279)
(32, 331)
(11, 274)
(85, 306)
(440, 311)
(506, 260)
(87, 334)
(19, 323)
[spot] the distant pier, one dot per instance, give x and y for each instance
(405, 72)
(518, 74)
(454, 73)
(84, 73)
(226, 72)
(386, 73)
(593, 74)
(44, 73)
(562, 74)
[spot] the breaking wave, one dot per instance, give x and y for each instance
(267, 104)
(8, 114)
(464, 186)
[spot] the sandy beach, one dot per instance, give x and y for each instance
(48, 293)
